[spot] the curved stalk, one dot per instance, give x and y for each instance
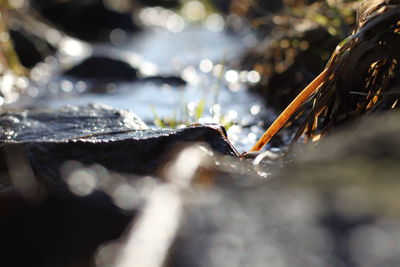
(290, 109)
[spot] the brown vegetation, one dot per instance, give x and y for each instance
(362, 75)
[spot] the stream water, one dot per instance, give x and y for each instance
(202, 54)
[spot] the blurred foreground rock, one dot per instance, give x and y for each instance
(336, 205)
(55, 211)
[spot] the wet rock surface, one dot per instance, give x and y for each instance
(115, 139)
(66, 123)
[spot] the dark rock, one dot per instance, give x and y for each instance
(136, 151)
(60, 231)
(86, 20)
(113, 138)
(163, 3)
(54, 228)
(222, 5)
(65, 123)
(103, 69)
(170, 80)
(29, 48)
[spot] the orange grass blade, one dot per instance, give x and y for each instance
(290, 109)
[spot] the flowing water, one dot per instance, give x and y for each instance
(202, 54)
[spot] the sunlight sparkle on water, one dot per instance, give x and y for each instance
(231, 76)
(218, 69)
(254, 110)
(148, 16)
(158, 16)
(190, 75)
(215, 109)
(7, 82)
(67, 86)
(253, 77)
(53, 36)
(234, 87)
(148, 69)
(191, 107)
(74, 47)
(33, 92)
(81, 86)
(206, 65)
(215, 22)
(194, 10)
(22, 82)
(232, 114)
(175, 23)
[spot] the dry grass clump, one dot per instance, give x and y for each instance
(362, 76)
(297, 46)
